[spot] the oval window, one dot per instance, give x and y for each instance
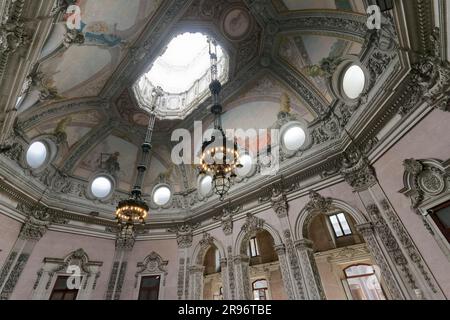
(294, 138)
(246, 161)
(36, 154)
(205, 185)
(353, 82)
(162, 195)
(101, 187)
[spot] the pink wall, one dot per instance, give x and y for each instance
(9, 230)
(429, 139)
(59, 245)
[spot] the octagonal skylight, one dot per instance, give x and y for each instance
(183, 73)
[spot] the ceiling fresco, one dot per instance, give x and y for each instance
(107, 31)
(82, 86)
(295, 5)
(114, 155)
(266, 88)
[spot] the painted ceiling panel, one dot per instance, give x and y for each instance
(108, 28)
(268, 89)
(348, 5)
(306, 52)
(115, 155)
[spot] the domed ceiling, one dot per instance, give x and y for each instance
(88, 89)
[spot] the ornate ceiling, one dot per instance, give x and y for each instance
(79, 93)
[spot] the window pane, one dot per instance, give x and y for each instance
(366, 288)
(71, 295)
(359, 270)
(444, 216)
(336, 226)
(344, 224)
(57, 295)
(61, 283)
(149, 289)
(217, 256)
(60, 290)
(253, 248)
(256, 246)
(261, 284)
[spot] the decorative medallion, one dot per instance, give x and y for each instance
(431, 182)
(236, 23)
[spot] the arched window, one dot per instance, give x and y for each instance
(363, 283)
(260, 290)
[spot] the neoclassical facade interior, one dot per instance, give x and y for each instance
(341, 190)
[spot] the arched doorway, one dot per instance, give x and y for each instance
(346, 268)
(212, 277)
(207, 273)
(266, 282)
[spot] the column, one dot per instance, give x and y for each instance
(392, 285)
(285, 271)
(405, 261)
(35, 226)
(184, 240)
(241, 266)
(227, 265)
(124, 245)
(292, 272)
(309, 270)
(225, 278)
(196, 282)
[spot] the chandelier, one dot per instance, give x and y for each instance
(220, 155)
(134, 210)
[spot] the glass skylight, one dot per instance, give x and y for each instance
(185, 60)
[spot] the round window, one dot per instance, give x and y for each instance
(36, 154)
(161, 195)
(205, 185)
(101, 187)
(294, 138)
(353, 82)
(246, 161)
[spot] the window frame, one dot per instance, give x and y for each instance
(158, 276)
(265, 290)
(432, 213)
(255, 241)
(65, 291)
(365, 275)
(340, 225)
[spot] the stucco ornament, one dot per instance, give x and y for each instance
(184, 234)
(279, 203)
(423, 179)
(318, 203)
